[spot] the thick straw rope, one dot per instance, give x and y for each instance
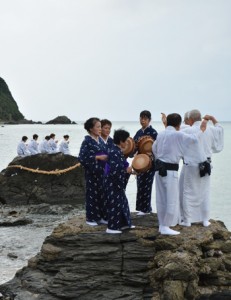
(54, 172)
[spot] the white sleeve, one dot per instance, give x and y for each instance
(218, 138)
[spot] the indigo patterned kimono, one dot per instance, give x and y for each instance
(94, 175)
(145, 180)
(115, 183)
(108, 144)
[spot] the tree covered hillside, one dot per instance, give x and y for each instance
(8, 107)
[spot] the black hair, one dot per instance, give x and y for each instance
(35, 136)
(90, 123)
(120, 135)
(174, 120)
(24, 138)
(52, 135)
(66, 136)
(106, 122)
(47, 137)
(146, 113)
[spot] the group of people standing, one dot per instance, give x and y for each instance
(107, 172)
(184, 201)
(47, 145)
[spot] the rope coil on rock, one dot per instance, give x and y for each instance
(53, 172)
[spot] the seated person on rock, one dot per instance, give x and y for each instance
(64, 145)
(33, 145)
(53, 147)
(22, 148)
(44, 145)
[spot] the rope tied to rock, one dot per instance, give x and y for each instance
(53, 172)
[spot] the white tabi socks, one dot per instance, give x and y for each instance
(168, 231)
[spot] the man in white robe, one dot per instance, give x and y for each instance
(64, 145)
(194, 188)
(53, 144)
(44, 145)
(168, 149)
(33, 145)
(22, 149)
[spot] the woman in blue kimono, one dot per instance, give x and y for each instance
(92, 157)
(145, 180)
(105, 133)
(115, 183)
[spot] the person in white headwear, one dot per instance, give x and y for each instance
(44, 145)
(53, 144)
(33, 145)
(168, 149)
(22, 149)
(196, 170)
(64, 145)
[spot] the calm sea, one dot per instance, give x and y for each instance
(10, 135)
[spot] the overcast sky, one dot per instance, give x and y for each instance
(113, 58)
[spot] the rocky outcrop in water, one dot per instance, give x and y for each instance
(24, 184)
(81, 262)
(61, 120)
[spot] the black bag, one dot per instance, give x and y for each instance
(205, 168)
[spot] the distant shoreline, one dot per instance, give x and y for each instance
(76, 122)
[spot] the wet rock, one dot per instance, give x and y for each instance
(12, 255)
(26, 241)
(9, 217)
(43, 178)
(46, 209)
(81, 262)
(15, 222)
(87, 263)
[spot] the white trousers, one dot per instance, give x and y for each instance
(167, 198)
(194, 195)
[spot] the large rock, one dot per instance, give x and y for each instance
(81, 262)
(43, 178)
(60, 120)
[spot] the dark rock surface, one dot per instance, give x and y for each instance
(60, 120)
(80, 262)
(20, 187)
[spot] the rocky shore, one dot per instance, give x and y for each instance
(23, 230)
(81, 262)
